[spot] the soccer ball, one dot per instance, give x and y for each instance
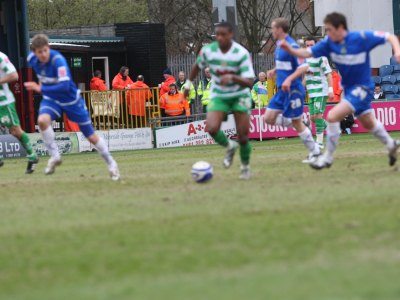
(202, 171)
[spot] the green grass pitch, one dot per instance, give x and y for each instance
(291, 233)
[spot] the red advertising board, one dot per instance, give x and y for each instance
(388, 113)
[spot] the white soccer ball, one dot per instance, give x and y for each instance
(202, 171)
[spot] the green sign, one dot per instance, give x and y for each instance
(77, 62)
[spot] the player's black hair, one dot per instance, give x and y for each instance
(140, 78)
(97, 73)
(377, 84)
(224, 24)
(310, 38)
(336, 20)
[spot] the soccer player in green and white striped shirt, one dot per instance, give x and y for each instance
(318, 81)
(8, 113)
(232, 76)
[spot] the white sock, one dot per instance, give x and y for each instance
(50, 143)
(101, 146)
(320, 138)
(282, 121)
(332, 139)
(381, 134)
(308, 141)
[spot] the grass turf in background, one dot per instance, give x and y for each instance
(289, 233)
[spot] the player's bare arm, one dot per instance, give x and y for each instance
(33, 86)
(271, 73)
(288, 82)
(331, 96)
(229, 78)
(394, 42)
(193, 74)
(10, 78)
(300, 52)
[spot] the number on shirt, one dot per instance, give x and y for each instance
(295, 103)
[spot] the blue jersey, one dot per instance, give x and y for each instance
(352, 55)
(55, 78)
(286, 64)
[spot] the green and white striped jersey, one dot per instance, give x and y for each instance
(236, 61)
(6, 68)
(316, 82)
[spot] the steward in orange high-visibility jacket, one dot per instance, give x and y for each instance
(174, 103)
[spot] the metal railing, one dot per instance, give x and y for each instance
(172, 121)
(122, 109)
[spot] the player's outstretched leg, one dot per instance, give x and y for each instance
(54, 161)
(378, 130)
(33, 159)
(214, 121)
(339, 112)
(320, 126)
(50, 143)
(306, 137)
(242, 124)
(102, 148)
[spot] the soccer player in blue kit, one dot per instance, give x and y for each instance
(60, 95)
(286, 107)
(349, 50)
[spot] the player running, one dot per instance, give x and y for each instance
(286, 107)
(60, 95)
(350, 52)
(8, 113)
(318, 81)
(232, 77)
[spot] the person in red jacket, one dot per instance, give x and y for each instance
(136, 98)
(122, 80)
(169, 79)
(96, 83)
(336, 84)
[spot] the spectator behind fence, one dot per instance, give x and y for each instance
(337, 87)
(378, 94)
(137, 98)
(174, 103)
(204, 89)
(122, 80)
(169, 79)
(259, 92)
(96, 83)
(192, 92)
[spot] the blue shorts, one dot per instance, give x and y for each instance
(290, 103)
(359, 98)
(77, 112)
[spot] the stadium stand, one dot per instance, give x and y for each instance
(393, 96)
(390, 89)
(389, 79)
(396, 69)
(378, 79)
(385, 70)
(393, 61)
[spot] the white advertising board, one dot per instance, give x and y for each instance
(191, 134)
(120, 139)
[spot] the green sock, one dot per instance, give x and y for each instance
(221, 138)
(24, 139)
(245, 151)
(320, 125)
